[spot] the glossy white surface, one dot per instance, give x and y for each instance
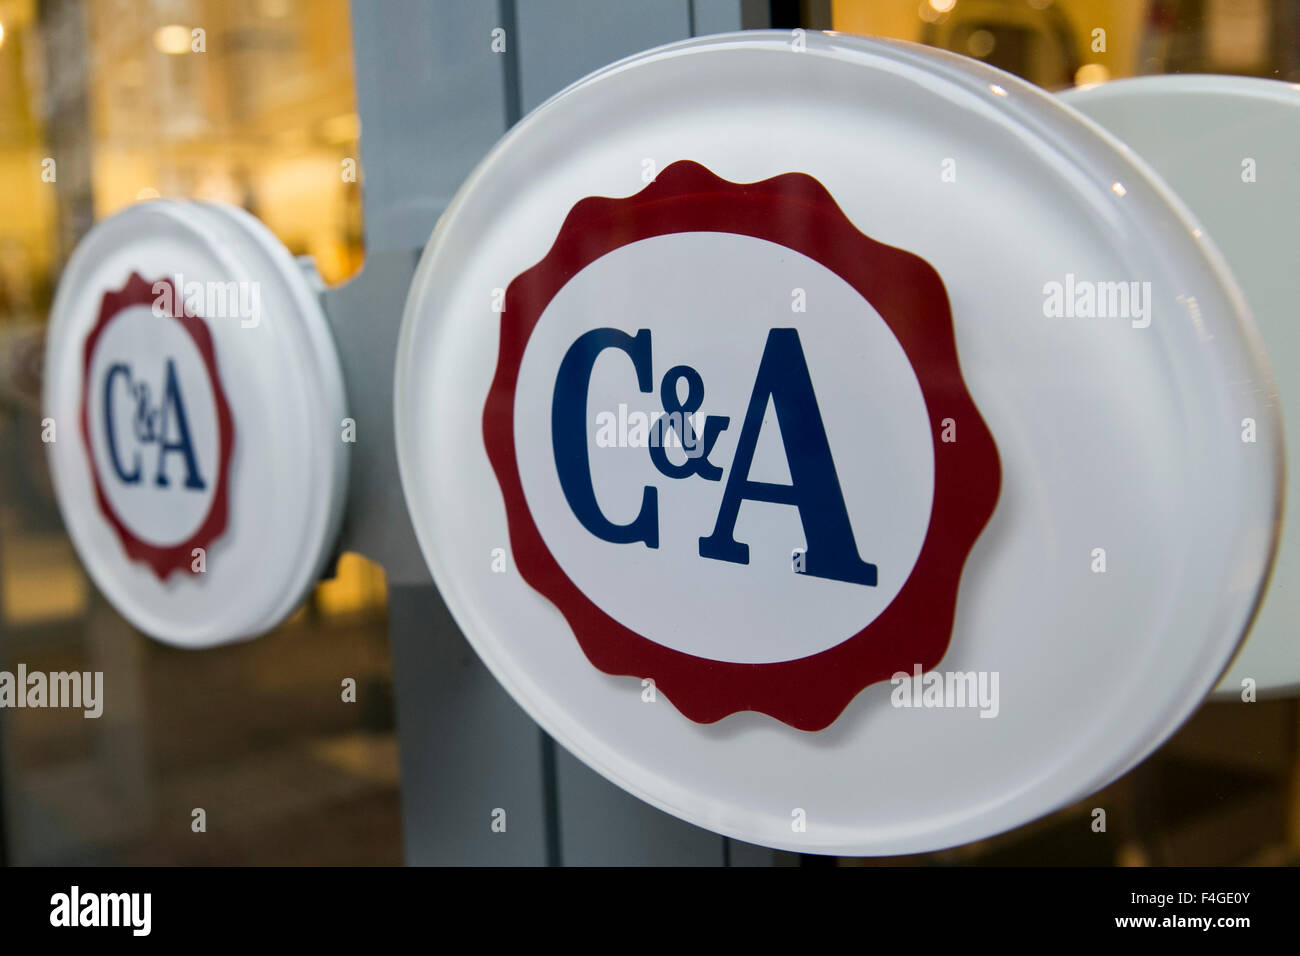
(1110, 435)
(284, 385)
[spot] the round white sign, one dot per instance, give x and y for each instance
(838, 447)
(197, 403)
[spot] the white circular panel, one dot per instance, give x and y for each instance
(1066, 443)
(198, 461)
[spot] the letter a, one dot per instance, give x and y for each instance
(172, 400)
(815, 490)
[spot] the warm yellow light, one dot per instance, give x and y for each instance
(2, 34)
(980, 44)
(147, 192)
(131, 74)
(218, 184)
(172, 39)
(344, 128)
(1118, 189)
(942, 6)
(1090, 74)
(358, 585)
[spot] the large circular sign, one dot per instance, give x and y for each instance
(1238, 183)
(196, 410)
(833, 442)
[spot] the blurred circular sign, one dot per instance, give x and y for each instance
(194, 406)
(1243, 184)
(834, 442)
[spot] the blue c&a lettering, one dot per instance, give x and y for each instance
(165, 425)
(783, 379)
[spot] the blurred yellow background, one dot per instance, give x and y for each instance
(252, 102)
(249, 102)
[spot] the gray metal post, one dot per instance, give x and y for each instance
(433, 98)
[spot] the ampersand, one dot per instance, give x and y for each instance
(146, 419)
(677, 419)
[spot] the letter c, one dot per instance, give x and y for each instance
(569, 434)
(134, 477)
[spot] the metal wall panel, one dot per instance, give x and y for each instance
(560, 41)
(434, 97)
(431, 93)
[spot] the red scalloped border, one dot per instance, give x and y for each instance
(164, 561)
(794, 210)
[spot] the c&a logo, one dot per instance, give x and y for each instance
(794, 523)
(157, 427)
